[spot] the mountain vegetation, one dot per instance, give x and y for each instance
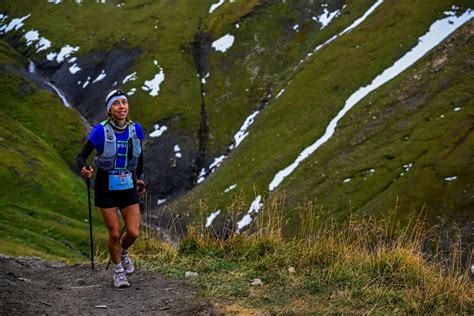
(44, 204)
(231, 95)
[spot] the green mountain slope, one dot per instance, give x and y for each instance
(43, 204)
(411, 140)
(396, 125)
(264, 56)
(265, 51)
(408, 143)
(158, 29)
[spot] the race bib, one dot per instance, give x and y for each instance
(120, 181)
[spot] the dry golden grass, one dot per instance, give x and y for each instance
(360, 265)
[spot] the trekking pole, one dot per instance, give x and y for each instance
(110, 259)
(90, 220)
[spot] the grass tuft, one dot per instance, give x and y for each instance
(364, 264)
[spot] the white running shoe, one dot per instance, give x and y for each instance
(120, 280)
(127, 264)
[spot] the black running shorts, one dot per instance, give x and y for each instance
(104, 198)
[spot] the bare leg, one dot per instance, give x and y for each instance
(111, 219)
(131, 217)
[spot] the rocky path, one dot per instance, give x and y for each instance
(33, 286)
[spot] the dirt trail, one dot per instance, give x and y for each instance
(33, 286)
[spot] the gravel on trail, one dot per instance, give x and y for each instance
(30, 285)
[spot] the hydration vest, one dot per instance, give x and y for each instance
(107, 160)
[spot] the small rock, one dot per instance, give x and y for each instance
(80, 281)
(190, 274)
(101, 306)
(291, 270)
(257, 282)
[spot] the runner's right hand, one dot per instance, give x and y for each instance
(87, 173)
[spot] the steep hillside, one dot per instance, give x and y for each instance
(234, 95)
(92, 47)
(43, 204)
(168, 59)
(409, 139)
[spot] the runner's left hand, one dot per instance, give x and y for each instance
(141, 187)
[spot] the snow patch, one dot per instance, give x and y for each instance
(245, 221)
(350, 27)
(223, 43)
(15, 24)
(212, 167)
(211, 218)
(217, 162)
(438, 31)
(230, 188)
(256, 205)
(327, 17)
(86, 83)
(130, 77)
(159, 130)
(243, 131)
(74, 69)
(100, 77)
(362, 18)
(408, 166)
(65, 52)
(280, 93)
(132, 91)
(43, 44)
(51, 56)
(177, 151)
(215, 6)
(203, 79)
(254, 208)
(31, 36)
(153, 85)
